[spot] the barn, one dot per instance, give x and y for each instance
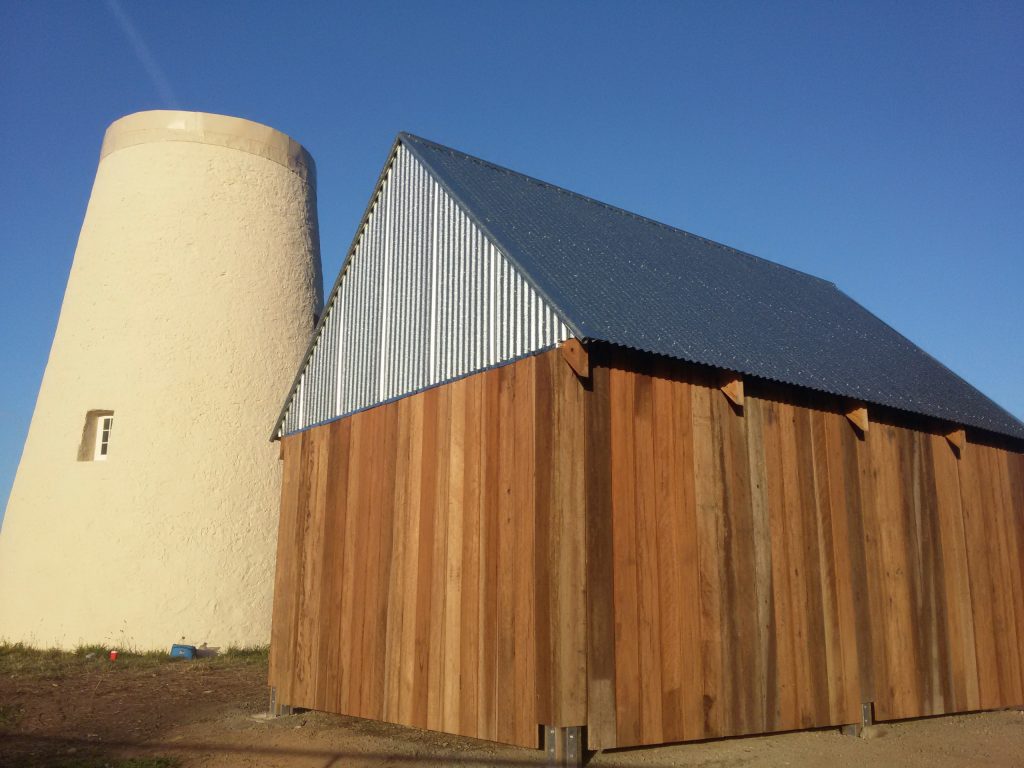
(549, 465)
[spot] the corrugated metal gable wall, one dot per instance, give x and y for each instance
(425, 298)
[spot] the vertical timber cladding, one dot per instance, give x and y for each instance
(732, 607)
(770, 570)
(431, 558)
(750, 570)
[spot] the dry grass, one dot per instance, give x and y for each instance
(124, 762)
(78, 709)
(17, 659)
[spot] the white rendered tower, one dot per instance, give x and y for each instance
(145, 505)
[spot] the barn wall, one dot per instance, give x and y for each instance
(431, 558)
(637, 554)
(770, 570)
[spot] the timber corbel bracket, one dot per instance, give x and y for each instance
(857, 413)
(576, 355)
(731, 385)
(957, 439)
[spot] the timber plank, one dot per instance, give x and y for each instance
(400, 414)
(364, 640)
(1011, 524)
(505, 718)
(708, 483)
(281, 648)
(384, 500)
(684, 485)
(910, 642)
(311, 535)
(602, 728)
(470, 608)
(1015, 522)
(489, 526)
(328, 608)
(935, 650)
(546, 573)
(796, 558)
(875, 523)
(350, 612)
(963, 666)
(937, 572)
(826, 566)
(787, 712)
(848, 566)
(624, 565)
(933, 677)
(815, 704)
(995, 574)
(1008, 584)
(524, 609)
(647, 565)
(568, 559)
(428, 565)
(366, 647)
(893, 613)
(297, 551)
(439, 576)
(452, 615)
(409, 579)
(978, 539)
(763, 642)
(738, 565)
(863, 528)
(669, 510)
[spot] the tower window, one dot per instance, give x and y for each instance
(103, 437)
(95, 445)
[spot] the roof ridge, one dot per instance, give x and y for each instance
(404, 135)
(410, 141)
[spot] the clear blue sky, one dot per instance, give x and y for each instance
(878, 145)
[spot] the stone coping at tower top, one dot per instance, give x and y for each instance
(216, 130)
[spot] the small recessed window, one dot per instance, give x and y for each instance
(103, 437)
(95, 445)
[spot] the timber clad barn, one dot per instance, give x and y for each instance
(551, 463)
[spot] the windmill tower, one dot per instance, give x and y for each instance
(145, 505)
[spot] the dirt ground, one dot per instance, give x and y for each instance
(149, 713)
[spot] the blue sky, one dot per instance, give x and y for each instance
(874, 144)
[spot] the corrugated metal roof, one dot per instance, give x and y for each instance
(621, 278)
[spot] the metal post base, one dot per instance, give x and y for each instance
(277, 709)
(867, 713)
(564, 746)
(867, 717)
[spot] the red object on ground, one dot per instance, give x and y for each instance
(113, 655)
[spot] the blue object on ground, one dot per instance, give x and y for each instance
(183, 651)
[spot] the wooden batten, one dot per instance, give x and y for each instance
(731, 385)
(958, 439)
(575, 354)
(858, 416)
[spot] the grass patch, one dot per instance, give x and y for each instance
(120, 762)
(245, 653)
(18, 659)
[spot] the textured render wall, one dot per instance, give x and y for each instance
(188, 307)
